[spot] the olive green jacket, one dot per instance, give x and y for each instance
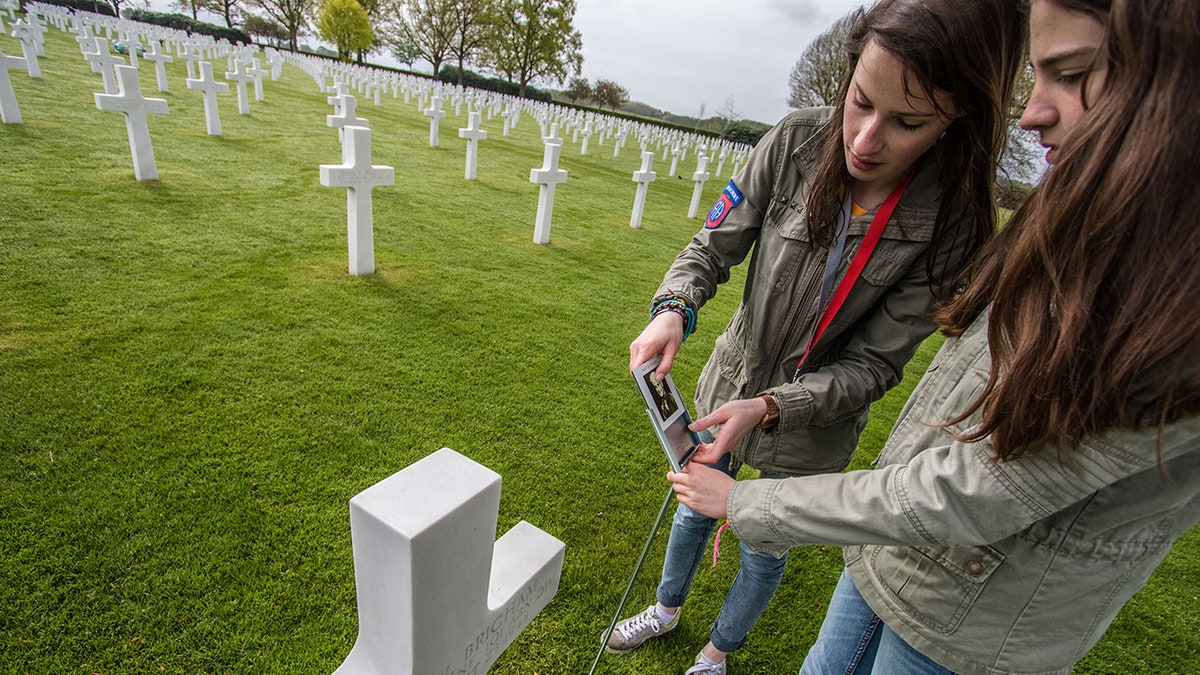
(862, 353)
(989, 567)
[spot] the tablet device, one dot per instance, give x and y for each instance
(668, 414)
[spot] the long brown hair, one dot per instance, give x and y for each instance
(1094, 285)
(970, 49)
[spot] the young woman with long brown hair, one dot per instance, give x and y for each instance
(908, 156)
(1050, 456)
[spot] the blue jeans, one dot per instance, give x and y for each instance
(853, 640)
(757, 579)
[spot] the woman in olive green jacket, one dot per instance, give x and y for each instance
(910, 153)
(1050, 456)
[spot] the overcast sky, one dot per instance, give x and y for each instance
(678, 54)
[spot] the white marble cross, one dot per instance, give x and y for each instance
(700, 177)
(643, 177)
(721, 161)
(587, 133)
(553, 138)
(132, 45)
(435, 115)
(87, 41)
(359, 177)
(104, 62)
(547, 176)
(28, 36)
(675, 154)
(129, 100)
(620, 141)
(345, 114)
(241, 78)
(437, 594)
(9, 112)
(473, 134)
(190, 56)
(258, 73)
(210, 87)
(156, 55)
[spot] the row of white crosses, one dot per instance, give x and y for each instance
(122, 90)
(549, 175)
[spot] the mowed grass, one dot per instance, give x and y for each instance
(192, 387)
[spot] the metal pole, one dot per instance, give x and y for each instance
(628, 589)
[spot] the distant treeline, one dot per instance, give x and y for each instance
(182, 22)
(449, 74)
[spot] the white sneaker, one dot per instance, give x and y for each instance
(629, 634)
(702, 668)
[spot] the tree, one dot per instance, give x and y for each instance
(404, 51)
(728, 114)
(291, 14)
(534, 38)
(228, 9)
(818, 75)
(471, 21)
(266, 29)
(345, 24)
(193, 7)
(426, 26)
(578, 88)
(607, 92)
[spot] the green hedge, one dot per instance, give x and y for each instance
(186, 23)
(86, 5)
(449, 74)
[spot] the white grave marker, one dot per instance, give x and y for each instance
(129, 100)
(28, 35)
(241, 78)
(547, 176)
(473, 134)
(675, 153)
(643, 178)
(104, 62)
(257, 72)
(701, 176)
(210, 87)
(156, 54)
(9, 112)
(435, 115)
(359, 177)
(346, 107)
(436, 594)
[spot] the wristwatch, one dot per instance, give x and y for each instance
(771, 418)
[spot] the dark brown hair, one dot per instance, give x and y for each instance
(1094, 285)
(970, 49)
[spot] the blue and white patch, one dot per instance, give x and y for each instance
(729, 199)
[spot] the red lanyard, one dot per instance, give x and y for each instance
(878, 223)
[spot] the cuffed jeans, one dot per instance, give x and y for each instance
(757, 579)
(853, 639)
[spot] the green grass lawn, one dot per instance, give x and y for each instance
(192, 387)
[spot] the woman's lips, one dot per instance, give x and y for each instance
(862, 164)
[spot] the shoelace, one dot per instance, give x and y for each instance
(639, 622)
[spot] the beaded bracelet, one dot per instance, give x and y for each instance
(682, 309)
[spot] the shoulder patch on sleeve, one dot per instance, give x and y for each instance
(729, 199)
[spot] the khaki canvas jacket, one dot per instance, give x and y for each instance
(862, 353)
(1071, 540)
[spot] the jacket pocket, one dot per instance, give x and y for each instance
(935, 585)
(891, 260)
